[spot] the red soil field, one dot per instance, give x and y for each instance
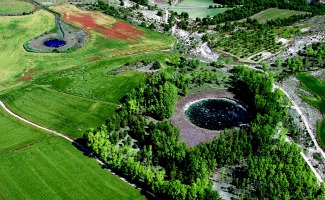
(119, 30)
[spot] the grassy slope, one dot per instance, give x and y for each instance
(59, 111)
(199, 12)
(274, 13)
(317, 87)
(100, 84)
(15, 7)
(14, 134)
(55, 169)
(15, 31)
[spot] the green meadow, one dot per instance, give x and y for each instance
(15, 7)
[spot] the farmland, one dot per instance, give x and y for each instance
(56, 110)
(15, 134)
(17, 30)
(55, 169)
(37, 165)
(15, 7)
(317, 87)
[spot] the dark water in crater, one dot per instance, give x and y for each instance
(217, 114)
(54, 43)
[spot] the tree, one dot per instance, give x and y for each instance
(278, 63)
(160, 13)
(264, 66)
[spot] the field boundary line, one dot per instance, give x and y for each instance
(85, 149)
(25, 146)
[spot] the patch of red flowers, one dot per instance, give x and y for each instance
(94, 58)
(25, 78)
(120, 30)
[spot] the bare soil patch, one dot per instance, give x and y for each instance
(190, 133)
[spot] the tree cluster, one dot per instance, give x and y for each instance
(150, 153)
(310, 58)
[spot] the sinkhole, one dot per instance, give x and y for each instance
(217, 113)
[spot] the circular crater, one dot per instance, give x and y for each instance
(216, 113)
(54, 43)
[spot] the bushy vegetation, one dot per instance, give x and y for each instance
(310, 58)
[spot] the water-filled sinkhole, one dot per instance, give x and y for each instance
(54, 43)
(217, 114)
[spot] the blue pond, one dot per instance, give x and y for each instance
(54, 43)
(217, 114)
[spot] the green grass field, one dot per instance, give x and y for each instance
(195, 3)
(14, 134)
(275, 13)
(199, 12)
(100, 83)
(15, 7)
(317, 87)
(55, 169)
(66, 113)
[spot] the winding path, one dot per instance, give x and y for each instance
(304, 119)
(73, 142)
(310, 132)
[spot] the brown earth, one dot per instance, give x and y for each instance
(190, 133)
